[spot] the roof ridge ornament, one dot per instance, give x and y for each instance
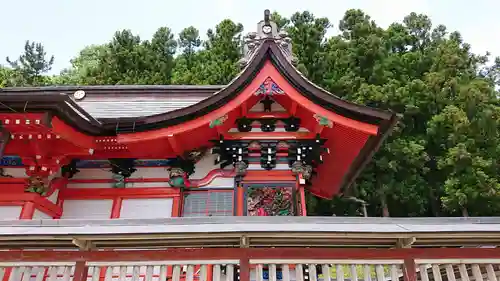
(266, 29)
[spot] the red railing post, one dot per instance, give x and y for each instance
(409, 270)
(244, 268)
(81, 271)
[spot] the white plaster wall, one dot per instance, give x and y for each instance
(16, 172)
(39, 215)
(10, 212)
(53, 197)
(204, 166)
(146, 208)
(87, 209)
(20, 172)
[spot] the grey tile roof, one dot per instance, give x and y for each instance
(136, 106)
(115, 101)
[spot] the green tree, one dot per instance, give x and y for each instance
(32, 64)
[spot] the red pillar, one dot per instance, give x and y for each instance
(244, 269)
(81, 271)
(210, 272)
(176, 207)
(117, 207)
(28, 211)
(409, 270)
(240, 200)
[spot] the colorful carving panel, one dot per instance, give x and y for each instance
(270, 201)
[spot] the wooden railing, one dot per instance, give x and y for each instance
(37, 271)
(252, 264)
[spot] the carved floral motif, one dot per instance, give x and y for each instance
(270, 201)
(37, 184)
(217, 122)
(269, 87)
(323, 121)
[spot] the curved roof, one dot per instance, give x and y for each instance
(51, 99)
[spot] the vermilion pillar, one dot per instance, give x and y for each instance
(28, 211)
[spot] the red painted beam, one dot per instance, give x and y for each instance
(112, 193)
(40, 203)
(70, 134)
(263, 115)
(251, 253)
(131, 180)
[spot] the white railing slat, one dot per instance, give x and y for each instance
(216, 273)
(423, 272)
(299, 273)
(40, 272)
(450, 273)
(149, 273)
(163, 273)
(259, 273)
(436, 272)
(66, 273)
(367, 272)
(379, 270)
(354, 273)
(14, 274)
(27, 273)
(109, 273)
(463, 272)
(123, 273)
(340, 272)
(53, 273)
(96, 273)
(136, 273)
(394, 272)
(2, 272)
(203, 272)
(230, 272)
(476, 272)
(272, 272)
(176, 273)
(190, 273)
(326, 272)
(285, 272)
(491, 273)
(313, 276)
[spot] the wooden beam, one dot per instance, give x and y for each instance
(244, 242)
(405, 242)
(84, 245)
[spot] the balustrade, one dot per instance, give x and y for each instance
(252, 265)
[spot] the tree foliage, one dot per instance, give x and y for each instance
(443, 157)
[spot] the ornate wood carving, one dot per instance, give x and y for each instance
(270, 201)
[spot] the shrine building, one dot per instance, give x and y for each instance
(159, 183)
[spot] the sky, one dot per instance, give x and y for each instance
(67, 26)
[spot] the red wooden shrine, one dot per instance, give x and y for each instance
(80, 163)
(269, 127)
